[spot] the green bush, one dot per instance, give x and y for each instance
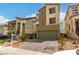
(61, 41)
(22, 36)
(11, 30)
(2, 41)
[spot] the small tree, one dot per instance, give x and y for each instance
(22, 36)
(10, 31)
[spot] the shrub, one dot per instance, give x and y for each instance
(61, 41)
(22, 36)
(2, 41)
(10, 31)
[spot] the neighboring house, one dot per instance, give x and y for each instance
(72, 22)
(49, 27)
(3, 30)
(25, 25)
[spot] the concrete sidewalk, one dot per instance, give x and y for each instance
(16, 51)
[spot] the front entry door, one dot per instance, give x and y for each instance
(77, 26)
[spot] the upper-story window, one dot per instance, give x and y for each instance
(52, 10)
(74, 11)
(52, 20)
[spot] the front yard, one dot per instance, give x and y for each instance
(69, 44)
(43, 46)
(50, 46)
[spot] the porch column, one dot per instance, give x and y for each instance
(20, 27)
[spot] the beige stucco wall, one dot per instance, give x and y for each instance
(30, 25)
(42, 16)
(48, 28)
(57, 14)
(5, 30)
(70, 19)
(36, 24)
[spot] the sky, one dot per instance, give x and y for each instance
(8, 11)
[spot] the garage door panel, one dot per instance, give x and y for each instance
(51, 35)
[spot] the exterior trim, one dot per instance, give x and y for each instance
(26, 18)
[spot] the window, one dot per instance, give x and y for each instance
(52, 10)
(74, 11)
(52, 20)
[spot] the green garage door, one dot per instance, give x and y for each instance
(48, 35)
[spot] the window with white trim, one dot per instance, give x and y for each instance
(52, 20)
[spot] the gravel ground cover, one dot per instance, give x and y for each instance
(46, 46)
